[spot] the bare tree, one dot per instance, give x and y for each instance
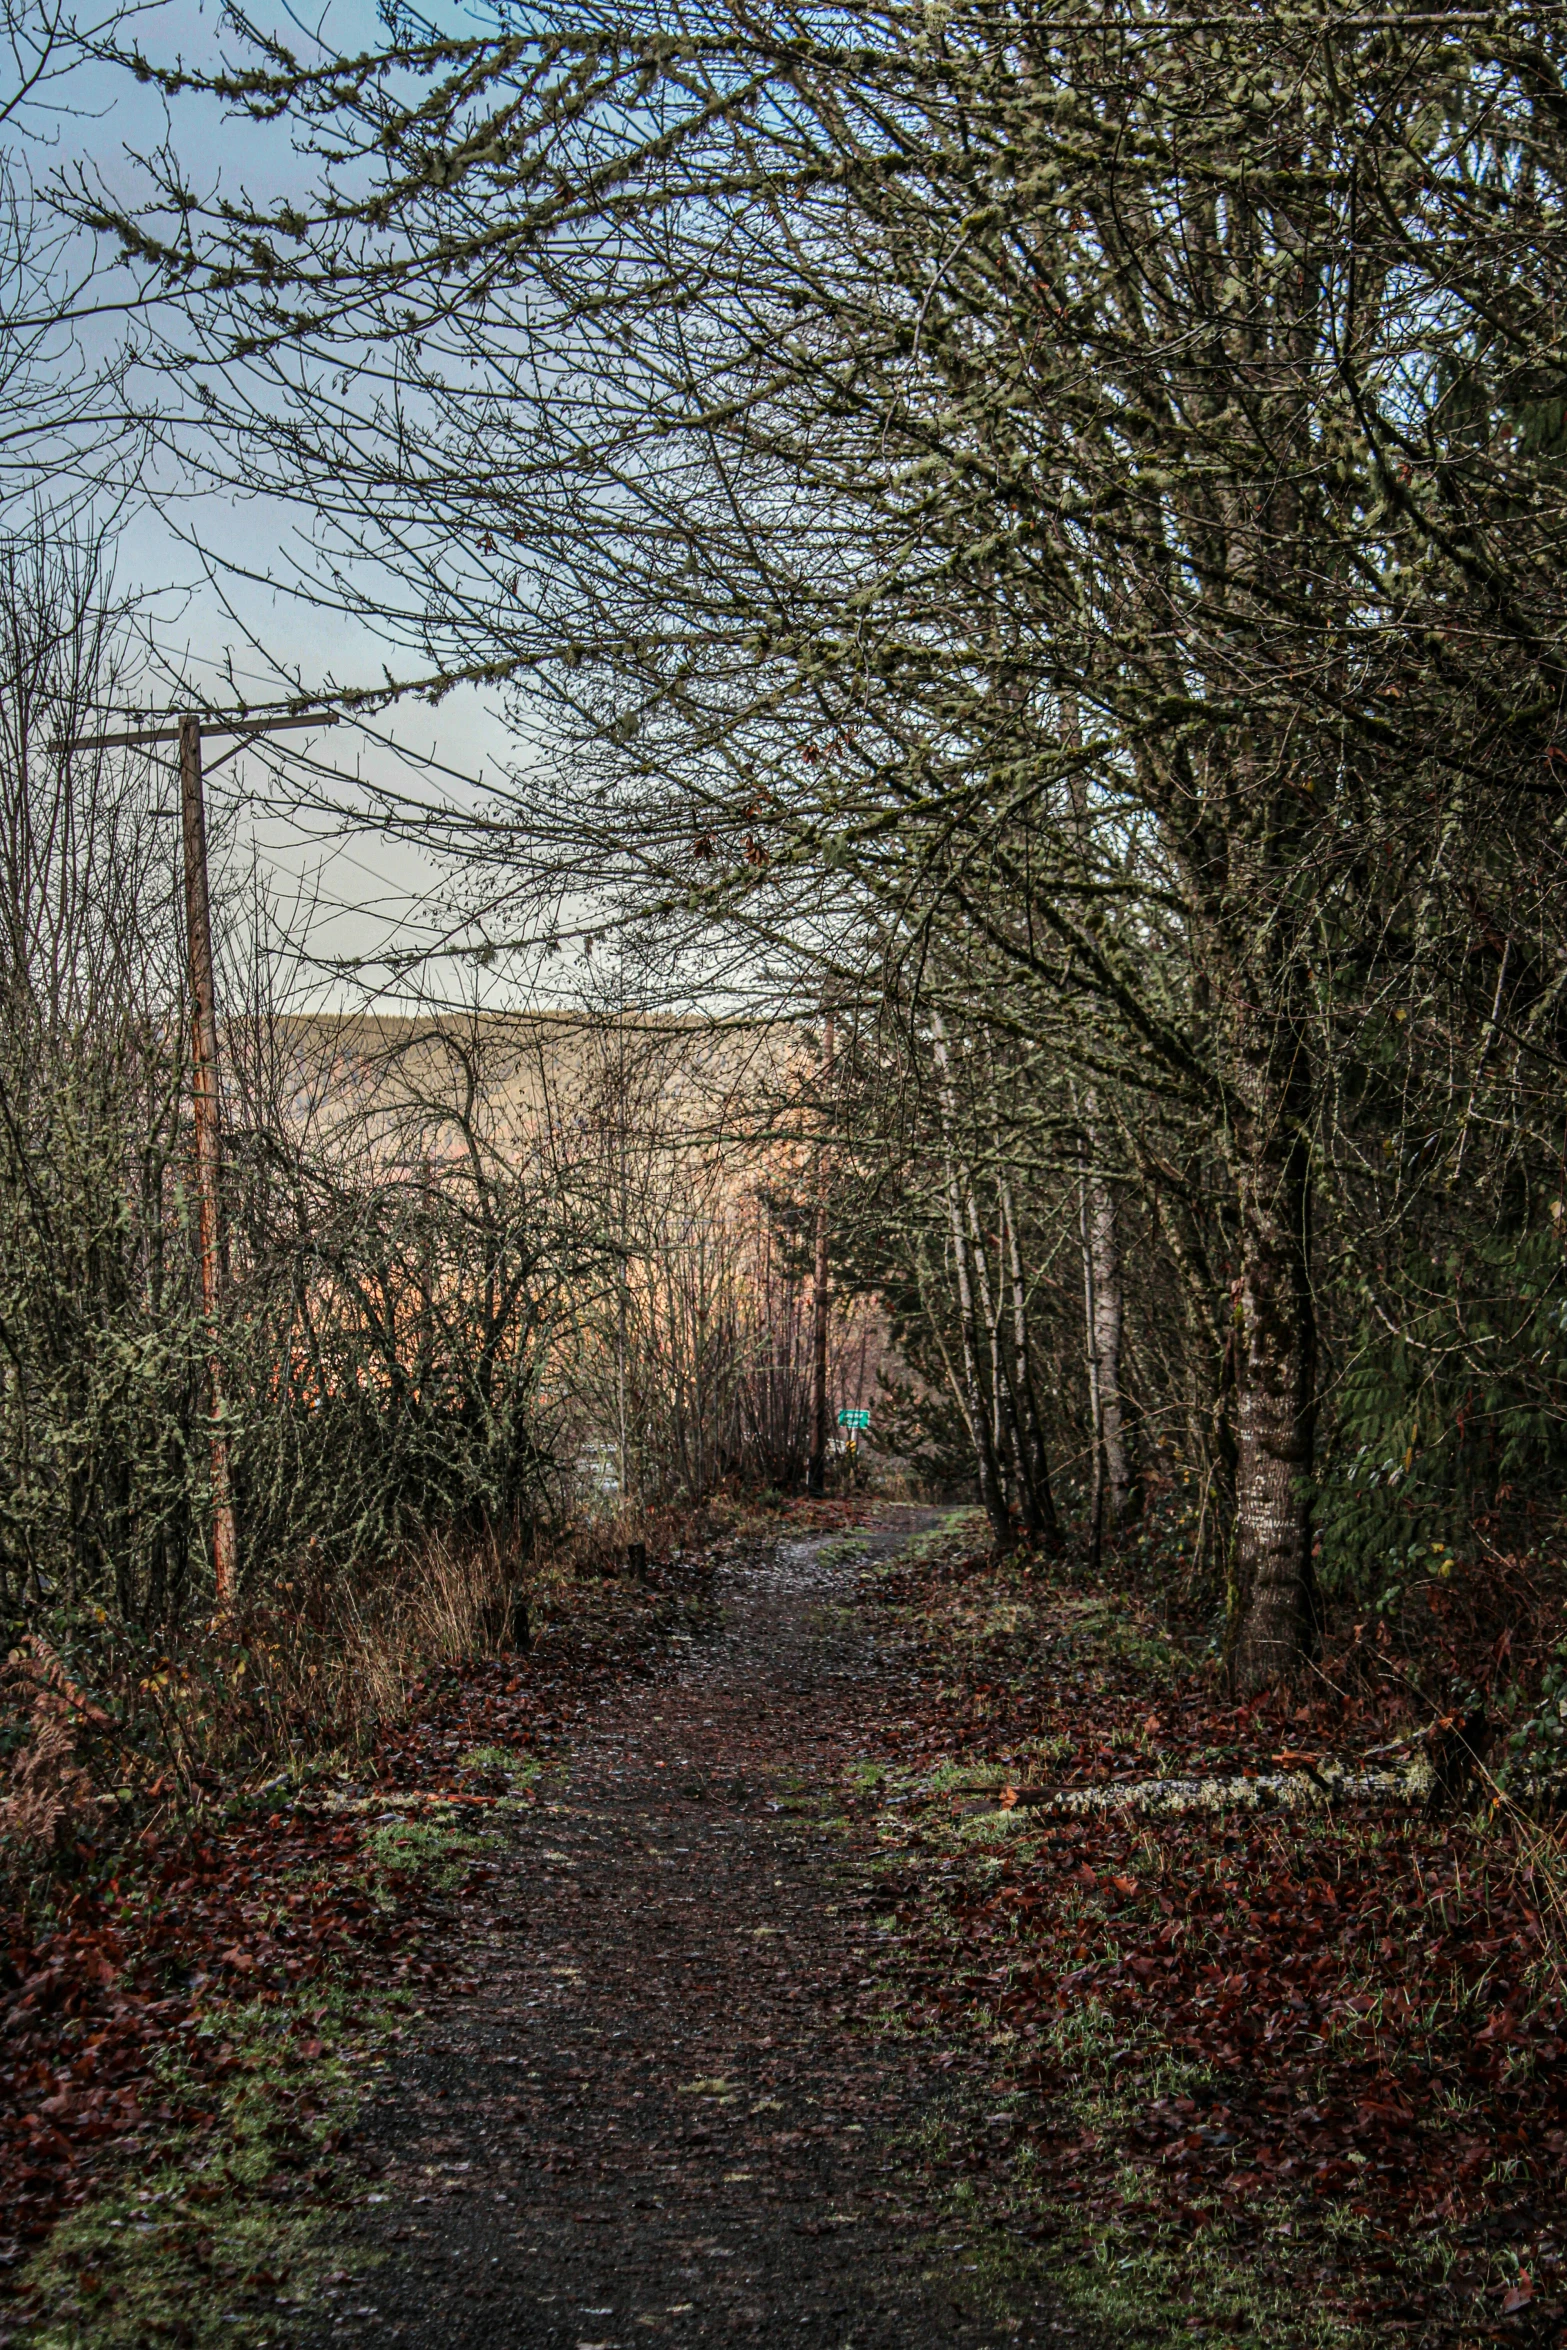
(920, 437)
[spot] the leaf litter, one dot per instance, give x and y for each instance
(990, 2075)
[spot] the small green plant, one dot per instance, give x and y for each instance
(843, 1550)
(438, 1846)
(1539, 1741)
(500, 1762)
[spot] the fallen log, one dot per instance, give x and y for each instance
(1313, 1786)
(400, 1799)
(1310, 1789)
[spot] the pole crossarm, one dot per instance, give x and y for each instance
(209, 726)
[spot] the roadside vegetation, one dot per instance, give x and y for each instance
(1015, 955)
(197, 1982)
(1282, 2075)
(1289, 2074)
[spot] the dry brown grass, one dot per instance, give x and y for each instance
(132, 1724)
(317, 1669)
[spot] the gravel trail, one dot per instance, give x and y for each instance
(662, 2113)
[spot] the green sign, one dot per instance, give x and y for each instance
(855, 1419)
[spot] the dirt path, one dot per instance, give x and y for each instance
(657, 2115)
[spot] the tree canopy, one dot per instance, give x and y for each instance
(1048, 516)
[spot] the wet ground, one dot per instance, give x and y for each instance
(664, 2110)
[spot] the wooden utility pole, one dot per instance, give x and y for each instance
(207, 1110)
(206, 1090)
(816, 1461)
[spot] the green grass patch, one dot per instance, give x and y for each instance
(228, 2231)
(501, 1762)
(438, 1847)
(990, 1827)
(1160, 2290)
(948, 1776)
(843, 1550)
(958, 1535)
(1134, 2278)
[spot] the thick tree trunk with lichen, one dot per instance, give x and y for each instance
(1276, 1366)
(1252, 999)
(976, 1404)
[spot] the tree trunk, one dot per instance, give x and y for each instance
(1002, 1430)
(816, 1463)
(1105, 1258)
(1253, 985)
(1105, 1310)
(991, 1501)
(1096, 1507)
(1275, 1414)
(1033, 1468)
(990, 1496)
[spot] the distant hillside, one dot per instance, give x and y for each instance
(511, 1077)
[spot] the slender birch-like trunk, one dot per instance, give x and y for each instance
(1033, 1467)
(1104, 1254)
(990, 1495)
(1096, 1521)
(1000, 1401)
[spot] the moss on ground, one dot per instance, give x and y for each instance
(843, 1550)
(1003, 2250)
(958, 1535)
(232, 2228)
(437, 1847)
(502, 1762)
(1322, 2278)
